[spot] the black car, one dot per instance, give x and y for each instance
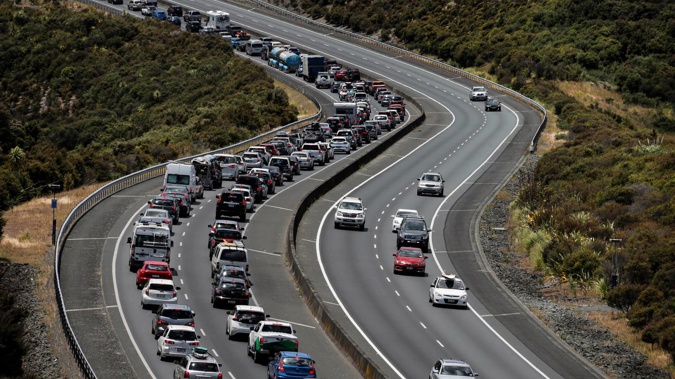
(231, 204)
(267, 180)
(353, 75)
(295, 166)
(413, 232)
(184, 206)
(230, 291)
(493, 104)
(193, 26)
(335, 123)
(284, 165)
(256, 186)
(335, 87)
(171, 204)
(363, 132)
(276, 173)
(175, 10)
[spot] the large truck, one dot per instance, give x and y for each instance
(150, 242)
(311, 66)
(273, 56)
(288, 62)
(219, 20)
(349, 110)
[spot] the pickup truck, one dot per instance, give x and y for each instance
(192, 16)
(479, 93)
(270, 337)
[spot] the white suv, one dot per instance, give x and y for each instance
(350, 211)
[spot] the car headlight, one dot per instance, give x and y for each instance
(425, 237)
(464, 297)
(339, 214)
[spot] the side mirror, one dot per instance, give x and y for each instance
(171, 243)
(242, 228)
(210, 226)
(177, 288)
(220, 365)
(365, 209)
(395, 255)
(149, 201)
(294, 331)
(198, 336)
(267, 315)
(432, 286)
(426, 257)
(443, 181)
(429, 230)
(466, 289)
(193, 313)
(392, 216)
(129, 240)
(141, 214)
(244, 237)
(434, 370)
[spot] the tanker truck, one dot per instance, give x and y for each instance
(288, 61)
(273, 56)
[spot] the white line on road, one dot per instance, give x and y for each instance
(215, 352)
(230, 374)
(408, 308)
(439, 342)
(186, 297)
(389, 280)
(424, 326)
(202, 330)
(282, 208)
(397, 294)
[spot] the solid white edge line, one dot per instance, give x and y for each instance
(117, 296)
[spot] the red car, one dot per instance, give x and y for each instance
(152, 270)
(410, 260)
(341, 75)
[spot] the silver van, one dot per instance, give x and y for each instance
(254, 47)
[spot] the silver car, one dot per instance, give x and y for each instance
(154, 215)
(431, 183)
(198, 365)
(451, 368)
(304, 160)
(230, 165)
(253, 160)
(341, 145)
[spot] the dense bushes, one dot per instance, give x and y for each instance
(85, 97)
(629, 43)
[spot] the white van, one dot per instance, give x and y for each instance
(254, 47)
(150, 242)
(184, 175)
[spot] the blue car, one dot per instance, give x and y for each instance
(159, 14)
(291, 365)
(174, 20)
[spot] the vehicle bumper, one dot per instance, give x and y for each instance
(450, 302)
(305, 165)
(409, 269)
(423, 244)
(342, 149)
(229, 301)
(154, 301)
(349, 221)
(239, 328)
(176, 352)
(429, 190)
(230, 174)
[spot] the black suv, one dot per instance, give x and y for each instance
(493, 104)
(175, 10)
(365, 134)
(413, 232)
(231, 204)
(230, 291)
(171, 204)
(256, 186)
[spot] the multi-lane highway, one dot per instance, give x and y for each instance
(389, 315)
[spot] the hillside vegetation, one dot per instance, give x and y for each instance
(614, 176)
(86, 97)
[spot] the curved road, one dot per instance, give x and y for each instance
(458, 139)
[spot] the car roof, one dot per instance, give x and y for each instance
(176, 306)
(455, 362)
(352, 199)
(160, 281)
(250, 308)
(180, 327)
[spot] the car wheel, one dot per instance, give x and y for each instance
(242, 217)
(256, 357)
(143, 305)
(160, 354)
(248, 350)
(362, 227)
(138, 285)
(152, 330)
(337, 225)
(441, 194)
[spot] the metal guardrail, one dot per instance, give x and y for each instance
(125, 182)
(399, 51)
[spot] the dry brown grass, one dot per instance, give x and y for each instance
(305, 106)
(616, 322)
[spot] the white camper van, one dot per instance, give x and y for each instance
(219, 20)
(184, 175)
(150, 242)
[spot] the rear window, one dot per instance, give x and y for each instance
(228, 234)
(298, 362)
(251, 181)
(178, 179)
(250, 317)
(232, 286)
(233, 255)
(231, 196)
(163, 202)
(311, 147)
(203, 366)
(161, 287)
(182, 335)
(176, 313)
(154, 267)
(277, 328)
(280, 162)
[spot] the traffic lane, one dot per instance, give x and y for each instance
(85, 279)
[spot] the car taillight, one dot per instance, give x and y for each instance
(257, 189)
(162, 322)
(247, 294)
(190, 324)
(220, 375)
(174, 207)
(187, 375)
(296, 345)
(217, 292)
(218, 201)
(169, 342)
(152, 205)
(235, 318)
(269, 182)
(174, 293)
(147, 291)
(262, 340)
(281, 366)
(166, 221)
(312, 370)
(232, 166)
(243, 202)
(195, 343)
(141, 272)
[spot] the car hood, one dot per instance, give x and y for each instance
(410, 260)
(413, 233)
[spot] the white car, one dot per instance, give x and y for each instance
(478, 93)
(158, 291)
(247, 196)
(451, 368)
(431, 183)
(340, 144)
(350, 211)
(399, 216)
(254, 171)
(448, 290)
(383, 120)
(177, 341)
(242, 318)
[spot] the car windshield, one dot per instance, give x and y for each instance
(280, 162)
(277, 328)
(176, 313)
(232, 286)
(182, 335)
(163, 202)
(231, 197)
(456, 371)
(233, 255)
(226, 159)
(226, 225)
(302, 155)
(155, 213)
(351, 206)
(250, 156)
(414, 225)
(204, 367)
(405, 213)
(154, 267)
(410, 253)
(152, 239)
(450, 284)
(431, 178)
(297, 361)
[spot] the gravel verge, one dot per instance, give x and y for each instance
(592, 341)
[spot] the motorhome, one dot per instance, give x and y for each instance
(218, 19)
